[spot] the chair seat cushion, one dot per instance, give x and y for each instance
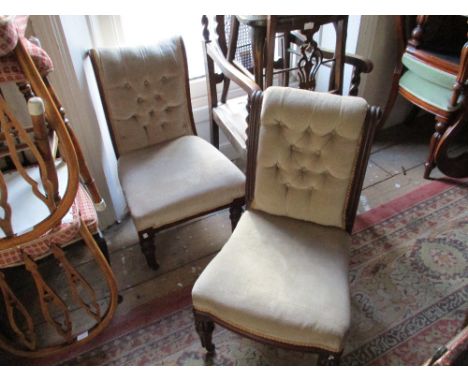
(428, 72)
(427, 83)
(12, 29)
(427, 91)
(170, 181)
(280, 279)
(28, 211)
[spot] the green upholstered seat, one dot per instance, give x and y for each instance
(427, 83)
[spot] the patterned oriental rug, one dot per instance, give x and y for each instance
(409, 286)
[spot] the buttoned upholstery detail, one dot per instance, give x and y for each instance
(145, 93)
(306, 154)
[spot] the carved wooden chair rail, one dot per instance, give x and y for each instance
(220, 50)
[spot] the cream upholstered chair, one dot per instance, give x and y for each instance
(282, 277)
(168, 174)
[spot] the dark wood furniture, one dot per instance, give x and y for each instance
(229, 116)
(299, 29)
(242, 60)
(431, 73)
(205, 322)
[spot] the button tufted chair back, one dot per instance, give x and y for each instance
(308, 151)
(145, 93)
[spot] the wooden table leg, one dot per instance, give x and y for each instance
(258, 46)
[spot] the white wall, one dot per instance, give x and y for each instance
(378, 42)
(67, 40)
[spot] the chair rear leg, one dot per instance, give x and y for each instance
(148, 247)
(101, 242)
(204, 327)
(235, 211)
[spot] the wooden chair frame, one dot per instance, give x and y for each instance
(204, 323)
(220, 52)
(80, 289)
(448, 123)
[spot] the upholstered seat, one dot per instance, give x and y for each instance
(27, 211)
(276, 279)
(428, 83)
(177, 188)
(13, 28)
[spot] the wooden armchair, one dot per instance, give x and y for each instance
(168, 174)
(228, 115)
(230, 46)
(431, 72)
(45, 208)
(282, 278)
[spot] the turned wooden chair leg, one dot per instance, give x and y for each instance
(101, 242)
(429, 165)
(204, 327)
(148, 247)
(235, 212)
(214, 134)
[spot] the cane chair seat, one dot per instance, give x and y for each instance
(279, 298)
(28, 211)
(175, 188)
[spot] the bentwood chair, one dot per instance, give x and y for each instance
(44, 209)
(168, 174)
(282, 277)
(432, 72)
(240, 49)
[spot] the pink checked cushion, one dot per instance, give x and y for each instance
(12, 28)
(66, 233)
